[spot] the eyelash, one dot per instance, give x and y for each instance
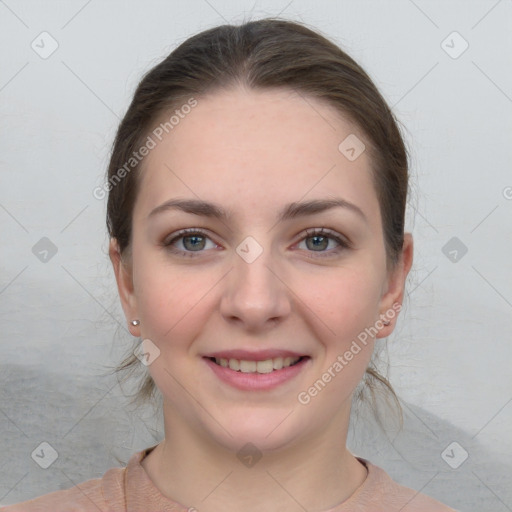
(309, 233)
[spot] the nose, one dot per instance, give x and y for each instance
(255, 296)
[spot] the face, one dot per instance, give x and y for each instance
(268, 280)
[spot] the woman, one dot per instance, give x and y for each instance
(257, 192)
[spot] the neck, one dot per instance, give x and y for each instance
(316, 472)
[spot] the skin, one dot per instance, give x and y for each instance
(253, 152)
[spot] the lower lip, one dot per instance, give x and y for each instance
(256, 381)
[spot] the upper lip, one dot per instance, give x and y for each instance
(247, 355)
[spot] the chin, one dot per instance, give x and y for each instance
(266, 431)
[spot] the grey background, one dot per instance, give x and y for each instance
(61, 324)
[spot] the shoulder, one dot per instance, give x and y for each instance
(380, 492)
(105, 494)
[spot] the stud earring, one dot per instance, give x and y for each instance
(386, 323)
(135, 322)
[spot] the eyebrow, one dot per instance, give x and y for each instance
(290, 211)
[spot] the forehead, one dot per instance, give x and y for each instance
(256, 150)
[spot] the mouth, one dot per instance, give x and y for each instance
(250, 366)
(262, 370)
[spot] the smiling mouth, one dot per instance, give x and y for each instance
(266, 366)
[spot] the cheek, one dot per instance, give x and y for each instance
(345, 302)
(344, 309)
(171, 299)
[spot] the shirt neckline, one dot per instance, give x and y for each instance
(135, 472)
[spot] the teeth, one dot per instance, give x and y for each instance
(266, 366)
(277, 363)
(234, 364)
(248, 366)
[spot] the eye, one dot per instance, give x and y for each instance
(189, 241)
(320, 239)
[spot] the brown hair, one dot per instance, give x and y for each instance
(267, 53)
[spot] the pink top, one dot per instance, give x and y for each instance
(130, 489)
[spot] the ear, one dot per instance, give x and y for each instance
(391, 301)
(124, 279)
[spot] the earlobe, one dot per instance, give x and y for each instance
(124, 280)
